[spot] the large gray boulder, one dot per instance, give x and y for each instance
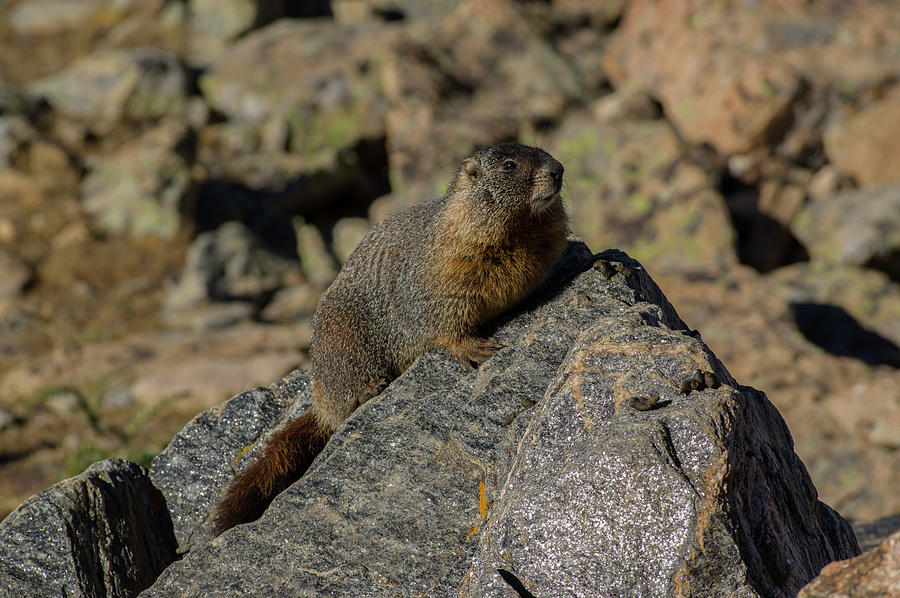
(604, 451)
(231, 265)
(105, 532)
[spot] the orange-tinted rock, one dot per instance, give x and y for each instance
(866, 145)
(739, 75)
(873, 574)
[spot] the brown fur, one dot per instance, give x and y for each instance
(430, 276)
(285, 457)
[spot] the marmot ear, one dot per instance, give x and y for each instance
(471, 168)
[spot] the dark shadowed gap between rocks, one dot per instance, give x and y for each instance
(270, 10)
(321, 198)
(220, 201)
(889, 263)
(873, 533)
(389, 14)
(763, 243)
(837, 332)
(515, 584)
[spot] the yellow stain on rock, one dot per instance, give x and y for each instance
(242, 453)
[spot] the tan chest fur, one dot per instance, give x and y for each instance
(482, 271)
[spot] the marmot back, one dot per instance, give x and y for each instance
(429, 276)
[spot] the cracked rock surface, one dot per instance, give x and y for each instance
(105, 532)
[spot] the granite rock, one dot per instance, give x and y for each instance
(820, 339)
(873, 533)
(229, 264)
(863, 144)
(14, 275)
(309, 84)
(873, 574)
(481, 74)
(675, 478)
(187, 472)
(356, 11)
(105, 532)
(633, 185)
(725, 95)
(53, 17)
(216, 23)
(758, 76)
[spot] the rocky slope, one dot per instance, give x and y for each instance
(179, 180)
(603, 451)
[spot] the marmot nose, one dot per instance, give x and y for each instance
(556, 173)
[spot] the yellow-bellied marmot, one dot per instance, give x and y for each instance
(429, 276)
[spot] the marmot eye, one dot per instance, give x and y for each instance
(509, 165)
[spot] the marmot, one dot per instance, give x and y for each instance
(429, 276)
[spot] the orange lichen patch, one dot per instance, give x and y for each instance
(483, 507)
(463, 590)
(243, 452)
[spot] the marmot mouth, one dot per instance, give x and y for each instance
(542, 201)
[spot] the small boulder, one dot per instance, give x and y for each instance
(105, 532)
(116, 87)
(854, 228)
(873, 574)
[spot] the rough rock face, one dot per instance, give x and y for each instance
(856, 228)
(872, 534)
(604, 451)
(105, 532)
(635, 189)
(486, 53)
(711, 486)
(105, 88)
(144, 187)
(739, 76)
(230, 263)
(306, 82)
(187, 474)
(872, 574)
(13, 276)
(863, 145)
(840, 318)
(700, 136)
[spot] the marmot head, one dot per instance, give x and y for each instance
(509, 178)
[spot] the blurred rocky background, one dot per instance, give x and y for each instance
(181, 179)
